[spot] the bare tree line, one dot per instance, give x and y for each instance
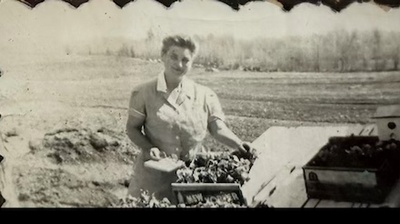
(339, 51)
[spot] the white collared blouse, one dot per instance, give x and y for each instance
(175, 122)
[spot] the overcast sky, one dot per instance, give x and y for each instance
(56, 23)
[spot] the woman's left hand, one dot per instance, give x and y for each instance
(245, 150)
(245, 147)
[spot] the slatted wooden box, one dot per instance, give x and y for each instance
(347, 169)
(193, 193)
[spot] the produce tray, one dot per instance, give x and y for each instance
(193, 193)
(353, 168)
(164, 165)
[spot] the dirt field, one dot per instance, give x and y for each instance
(63, 118)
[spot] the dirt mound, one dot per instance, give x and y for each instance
(57, 187)
(72, 146)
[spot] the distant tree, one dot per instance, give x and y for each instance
(150, 35)
(315, 58)
(394, 49)
(132, 53)
(396, 57)
(123, 51)
(108, 52)
(345, 44)
(376, 49)
(68, 50)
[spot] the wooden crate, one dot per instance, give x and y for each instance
(353, 181)
(193, 193)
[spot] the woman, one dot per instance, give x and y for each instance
(171, 114)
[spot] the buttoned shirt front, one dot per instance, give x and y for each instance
(176, 122)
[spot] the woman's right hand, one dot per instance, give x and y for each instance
(156, 154)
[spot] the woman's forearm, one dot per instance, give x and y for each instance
(137, 137)
(223, 134)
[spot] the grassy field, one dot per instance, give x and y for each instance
(252, 101)
(41, 94)
(303, 97)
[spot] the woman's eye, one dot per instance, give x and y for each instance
(174, 57)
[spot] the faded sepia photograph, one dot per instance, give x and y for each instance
(199, 105)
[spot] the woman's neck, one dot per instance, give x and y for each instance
(172, 83)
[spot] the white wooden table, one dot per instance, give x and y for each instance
(276, 179)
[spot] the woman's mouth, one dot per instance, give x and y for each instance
(177, 70)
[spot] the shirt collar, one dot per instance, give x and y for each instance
(161, 83)
(186, 85)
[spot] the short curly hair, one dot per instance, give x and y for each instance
(180, 41)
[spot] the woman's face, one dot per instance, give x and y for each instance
(177, 61)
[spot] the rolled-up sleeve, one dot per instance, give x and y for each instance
(214, 107)
(137, 104)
